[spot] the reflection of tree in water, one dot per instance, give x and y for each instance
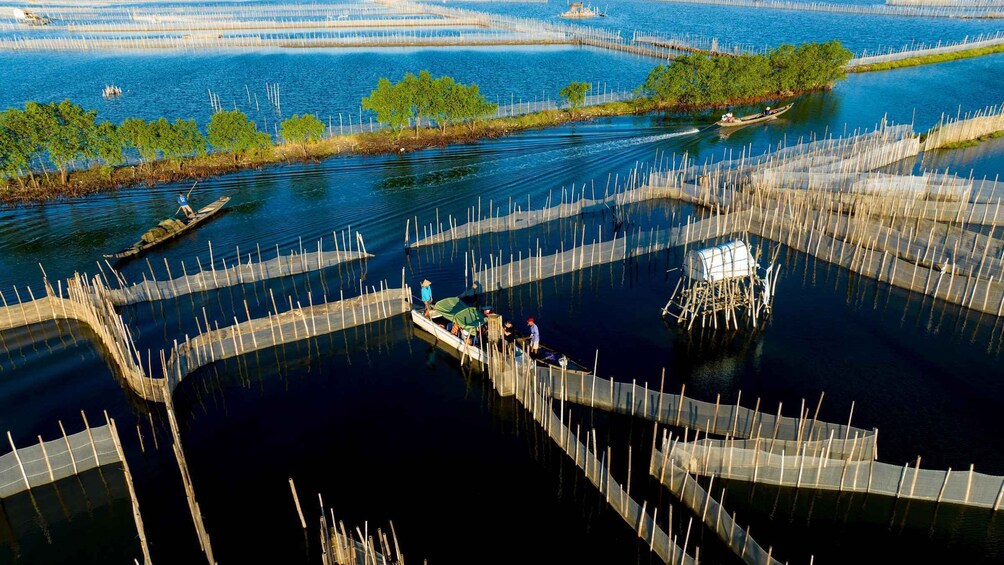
(401, 175)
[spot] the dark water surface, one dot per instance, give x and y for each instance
(387, 427)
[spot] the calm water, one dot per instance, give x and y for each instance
(387, 427)
(758, 28)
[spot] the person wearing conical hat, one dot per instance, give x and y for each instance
(427, 296)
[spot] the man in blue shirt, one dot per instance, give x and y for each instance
(183, 204)
(534, 336)
(427, 296)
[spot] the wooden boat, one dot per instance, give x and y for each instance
(754, 118)
(443, 336)
(550, 358)
(201, 216)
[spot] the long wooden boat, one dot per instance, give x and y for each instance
(754, 118)
(432, 325)
(551, 358)
(204, 214)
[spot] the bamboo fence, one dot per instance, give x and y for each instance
(713, 515)
(923, 49)
(680, 411)
(341, 546)
(297, 323)
(245, 270)
(823, 469)
(31, 467)
(508, 372)
(970, 126)
(982, 12)
(86, 302)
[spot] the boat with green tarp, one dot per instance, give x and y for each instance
(453, 311)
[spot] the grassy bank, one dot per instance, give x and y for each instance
(47, 186)
(928, 59)
(66, 135)
(98, 179)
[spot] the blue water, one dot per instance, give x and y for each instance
(755, 27)
(387, 427)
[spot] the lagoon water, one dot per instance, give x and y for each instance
(387, 427)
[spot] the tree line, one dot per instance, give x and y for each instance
(67, 136)
(698, 79)
(441, 101)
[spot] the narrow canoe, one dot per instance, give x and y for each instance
(754, 118)
(201, 216)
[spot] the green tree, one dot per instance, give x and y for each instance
(302, 130)
(574, 94)
(179, 140)
(70, 130)
(232, 132)
(393, 103)
(699, 79)
(468, 105)
(108, 144)
(141, 136)
(16, 149)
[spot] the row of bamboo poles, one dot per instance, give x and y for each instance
(955, 3)
(922, 49)
(297, 323)
(950, 11)
(714, 418)
(512, 372)
(95, 447)
(968, 127)
(835, 464)
(247, 268)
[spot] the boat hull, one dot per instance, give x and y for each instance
(754, 118)
(204, 214)
(445, 337)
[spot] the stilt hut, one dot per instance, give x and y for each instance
(722, 285)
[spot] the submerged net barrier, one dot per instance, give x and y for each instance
(512, 374)
(922, 233)
(245, 270)
(397, 24)
(27, 468)
(880, 148)
(86, 302)
(30, 467)
(297, 323)
(679, 411)
(826, 470)
(985, 122)
(922, 50)
(518, 377)
(712, 512)
(925, 11)
(518, 218)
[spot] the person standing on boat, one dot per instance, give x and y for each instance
(427, 296)
(534, 336)
(184, 207)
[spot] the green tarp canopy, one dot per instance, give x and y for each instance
(454, 310)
